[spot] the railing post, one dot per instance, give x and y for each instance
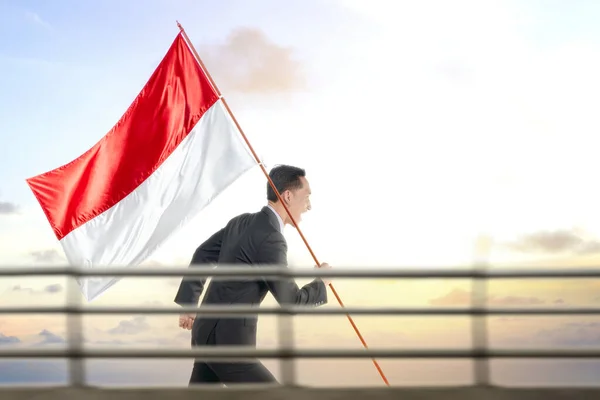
(285, 334)
(75, 334)
(479, 323)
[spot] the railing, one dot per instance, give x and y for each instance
(480, 352)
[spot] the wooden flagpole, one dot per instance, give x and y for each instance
(264, 170)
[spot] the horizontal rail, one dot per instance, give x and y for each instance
(249, 353)
(275, 392)
(250, 311)
(253, 272)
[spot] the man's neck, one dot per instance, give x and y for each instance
(279, 210)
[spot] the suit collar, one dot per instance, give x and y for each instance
(274, 218)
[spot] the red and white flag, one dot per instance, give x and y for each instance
(173, 151)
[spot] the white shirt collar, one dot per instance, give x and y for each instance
(281, 225)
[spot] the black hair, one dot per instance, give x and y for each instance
(284, 177)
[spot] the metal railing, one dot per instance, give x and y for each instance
(480, 351)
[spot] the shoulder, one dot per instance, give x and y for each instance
(272, 249)
(274, 236)
(273, 240)
(240, 221)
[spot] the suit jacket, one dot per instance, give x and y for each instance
(248, 239)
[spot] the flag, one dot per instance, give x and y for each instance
(173, 151)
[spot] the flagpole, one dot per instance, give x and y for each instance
(262, 167)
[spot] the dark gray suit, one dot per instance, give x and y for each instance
(248, 239)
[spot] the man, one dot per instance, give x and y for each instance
(248, 239)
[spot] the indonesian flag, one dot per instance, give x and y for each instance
(174, 150)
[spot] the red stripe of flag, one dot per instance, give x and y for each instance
(161, 116)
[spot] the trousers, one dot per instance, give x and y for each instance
(228, 372)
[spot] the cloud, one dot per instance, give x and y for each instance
(249, 62)
(44, 337)
(558, 241)
(565, 334)
(37, 20)
(7, 208)
(455, 71)
(571, 334)
(46, 256)
(461, 297)
(130, 326)
(5, 340)
(50, 338)
(54, 288)
(49, 289)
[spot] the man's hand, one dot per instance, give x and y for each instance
(186, 321)
(326, 280)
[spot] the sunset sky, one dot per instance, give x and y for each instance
(422, 126)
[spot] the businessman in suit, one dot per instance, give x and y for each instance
(250, 239)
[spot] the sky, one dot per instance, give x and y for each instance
(422, 126)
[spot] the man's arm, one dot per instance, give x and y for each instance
(191, 287)
(285, 290)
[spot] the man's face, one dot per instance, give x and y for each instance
(299, 200)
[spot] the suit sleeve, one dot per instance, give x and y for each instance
(191, 287)
(273, 251)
